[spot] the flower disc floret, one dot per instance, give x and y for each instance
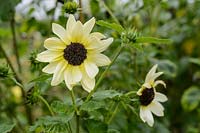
(75, 54)
(147, 96)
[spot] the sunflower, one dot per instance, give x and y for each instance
(149, 98)
(75, 56)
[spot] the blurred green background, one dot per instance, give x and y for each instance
(178, 20)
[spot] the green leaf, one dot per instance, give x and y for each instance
(6, 127)
(94, 126)
(113, 26)
(58, 106)
(52, 124)
(195, 61)
(153, 40)
(105, 94)
(41, 78)
(191, 98)
(92, 105)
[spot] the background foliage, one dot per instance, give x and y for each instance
(178, 20)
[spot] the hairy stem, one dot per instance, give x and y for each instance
(69, 126)
(113, 114)
(76, 109)
(109, 11)
(81, 18)
(46, 103)
(117, 53)
(12, 25)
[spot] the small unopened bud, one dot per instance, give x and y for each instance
(70, 7)
(4, 71)
(35, 65)
(129, 36)
(32, 95)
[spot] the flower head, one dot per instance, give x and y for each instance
(149, 98)
(76, 54)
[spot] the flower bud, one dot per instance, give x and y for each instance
(70, 7)
(4, 71)
(32, 95)
(129, 36)
(35, 65)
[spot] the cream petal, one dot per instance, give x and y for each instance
(160, 97)
(139, 92)
(147, 85)
(102, 46)
(97, 35)
(48, 56)
(90, 68)
(159, 82)
(156, 109)
(54, 43)
(100, 59)
(77, 33)
(58, 75)
(151, 73)
(51, 67)
(88, 26)
(158, 104)
(149, 118)
(156, 75)
(70, 24)
(88, 83)
(142, 114)
(60, 32)
(146, 115)
(68, 77)
(76, 74)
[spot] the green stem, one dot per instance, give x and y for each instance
(12, 25)
(69, 125)
(117, 53)
(46, 103)
(113, 114)
(81, 18)
(109, 11)
(76, 109)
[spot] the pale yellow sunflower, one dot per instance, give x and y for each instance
(149, 98)
(75, 56)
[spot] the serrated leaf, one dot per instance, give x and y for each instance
(94, 126)
(41, 78)
(52, 124)
(58, 106)
(191, 98)
(6, 127)
(105, 94)
(92, 105)
(113, 26)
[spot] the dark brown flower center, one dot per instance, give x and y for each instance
(147, 96)
(75, 54)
